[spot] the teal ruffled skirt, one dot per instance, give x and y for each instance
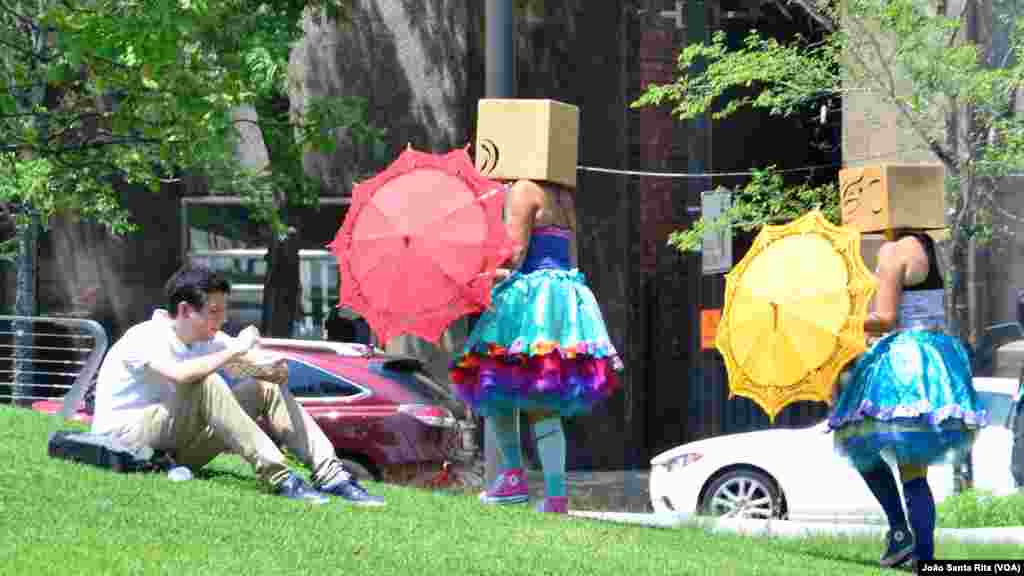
(542, 346)
(909, 399)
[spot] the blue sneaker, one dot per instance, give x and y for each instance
(349, 490)
(899, 549)
(295, 488)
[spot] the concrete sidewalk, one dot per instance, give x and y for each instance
(623, 496)
(792, 529)
(606, 490)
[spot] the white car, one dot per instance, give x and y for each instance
(797, 473)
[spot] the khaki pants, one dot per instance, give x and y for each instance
(207, 418)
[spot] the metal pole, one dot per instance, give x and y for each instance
(500, 80)
(499, 83)
(632, 486)
(25, 305)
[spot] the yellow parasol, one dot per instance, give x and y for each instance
(794, 312)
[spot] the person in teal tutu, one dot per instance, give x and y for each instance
(542, 347)
(909, 399)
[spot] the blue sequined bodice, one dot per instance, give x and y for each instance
(548, 249)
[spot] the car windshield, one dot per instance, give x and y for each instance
(998, 406)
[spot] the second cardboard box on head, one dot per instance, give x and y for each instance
(881, 199)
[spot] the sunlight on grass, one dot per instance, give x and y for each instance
(973, 509)
(62, 518)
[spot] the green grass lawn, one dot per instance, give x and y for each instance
(62, 518)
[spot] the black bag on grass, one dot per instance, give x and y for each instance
(102, 450)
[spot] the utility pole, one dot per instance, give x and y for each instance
(499, 83)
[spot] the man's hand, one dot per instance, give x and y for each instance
(278, 372)
(260, 365)
(246, 340)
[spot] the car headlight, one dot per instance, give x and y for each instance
(681, 461)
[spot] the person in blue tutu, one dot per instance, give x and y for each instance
(542, 347)
(909, 399)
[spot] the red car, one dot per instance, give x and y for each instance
(383, 413)
(386, 417)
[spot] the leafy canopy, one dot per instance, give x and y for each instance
(98, 92)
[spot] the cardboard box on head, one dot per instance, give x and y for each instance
(886, 197)
(883, 198)
(528, 139)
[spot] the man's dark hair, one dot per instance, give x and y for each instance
(192, 283)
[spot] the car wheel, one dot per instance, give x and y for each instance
(359, 471)
(742, 494)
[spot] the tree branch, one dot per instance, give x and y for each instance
(935, 147)
(960, 19)
(56, 152)
(26, 51)
(263, 122)
(18, 16)
(20, 115)
(818, 16)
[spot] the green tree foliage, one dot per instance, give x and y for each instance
(138, 91)
(99, 94)
(765, 199)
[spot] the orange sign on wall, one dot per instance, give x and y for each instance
(709, 327)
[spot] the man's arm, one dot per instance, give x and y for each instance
(194, 369)
(183, 372)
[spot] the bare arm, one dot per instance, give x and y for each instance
(892, 266)
(574, 255)
(194, 369)
(570, 215)
(520, 212)
(183, 372)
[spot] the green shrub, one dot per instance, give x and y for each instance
(977, 509)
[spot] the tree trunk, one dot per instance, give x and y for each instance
(281, 290)
(960, 246)
(966, 315)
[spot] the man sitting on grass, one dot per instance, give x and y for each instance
(158, 387)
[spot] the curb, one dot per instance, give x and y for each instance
(793, 529)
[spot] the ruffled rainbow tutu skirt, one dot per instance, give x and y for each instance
(542, 346)
(909, 400)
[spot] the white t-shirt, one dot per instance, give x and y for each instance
(126, 385)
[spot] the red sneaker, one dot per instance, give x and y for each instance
(508, 488)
